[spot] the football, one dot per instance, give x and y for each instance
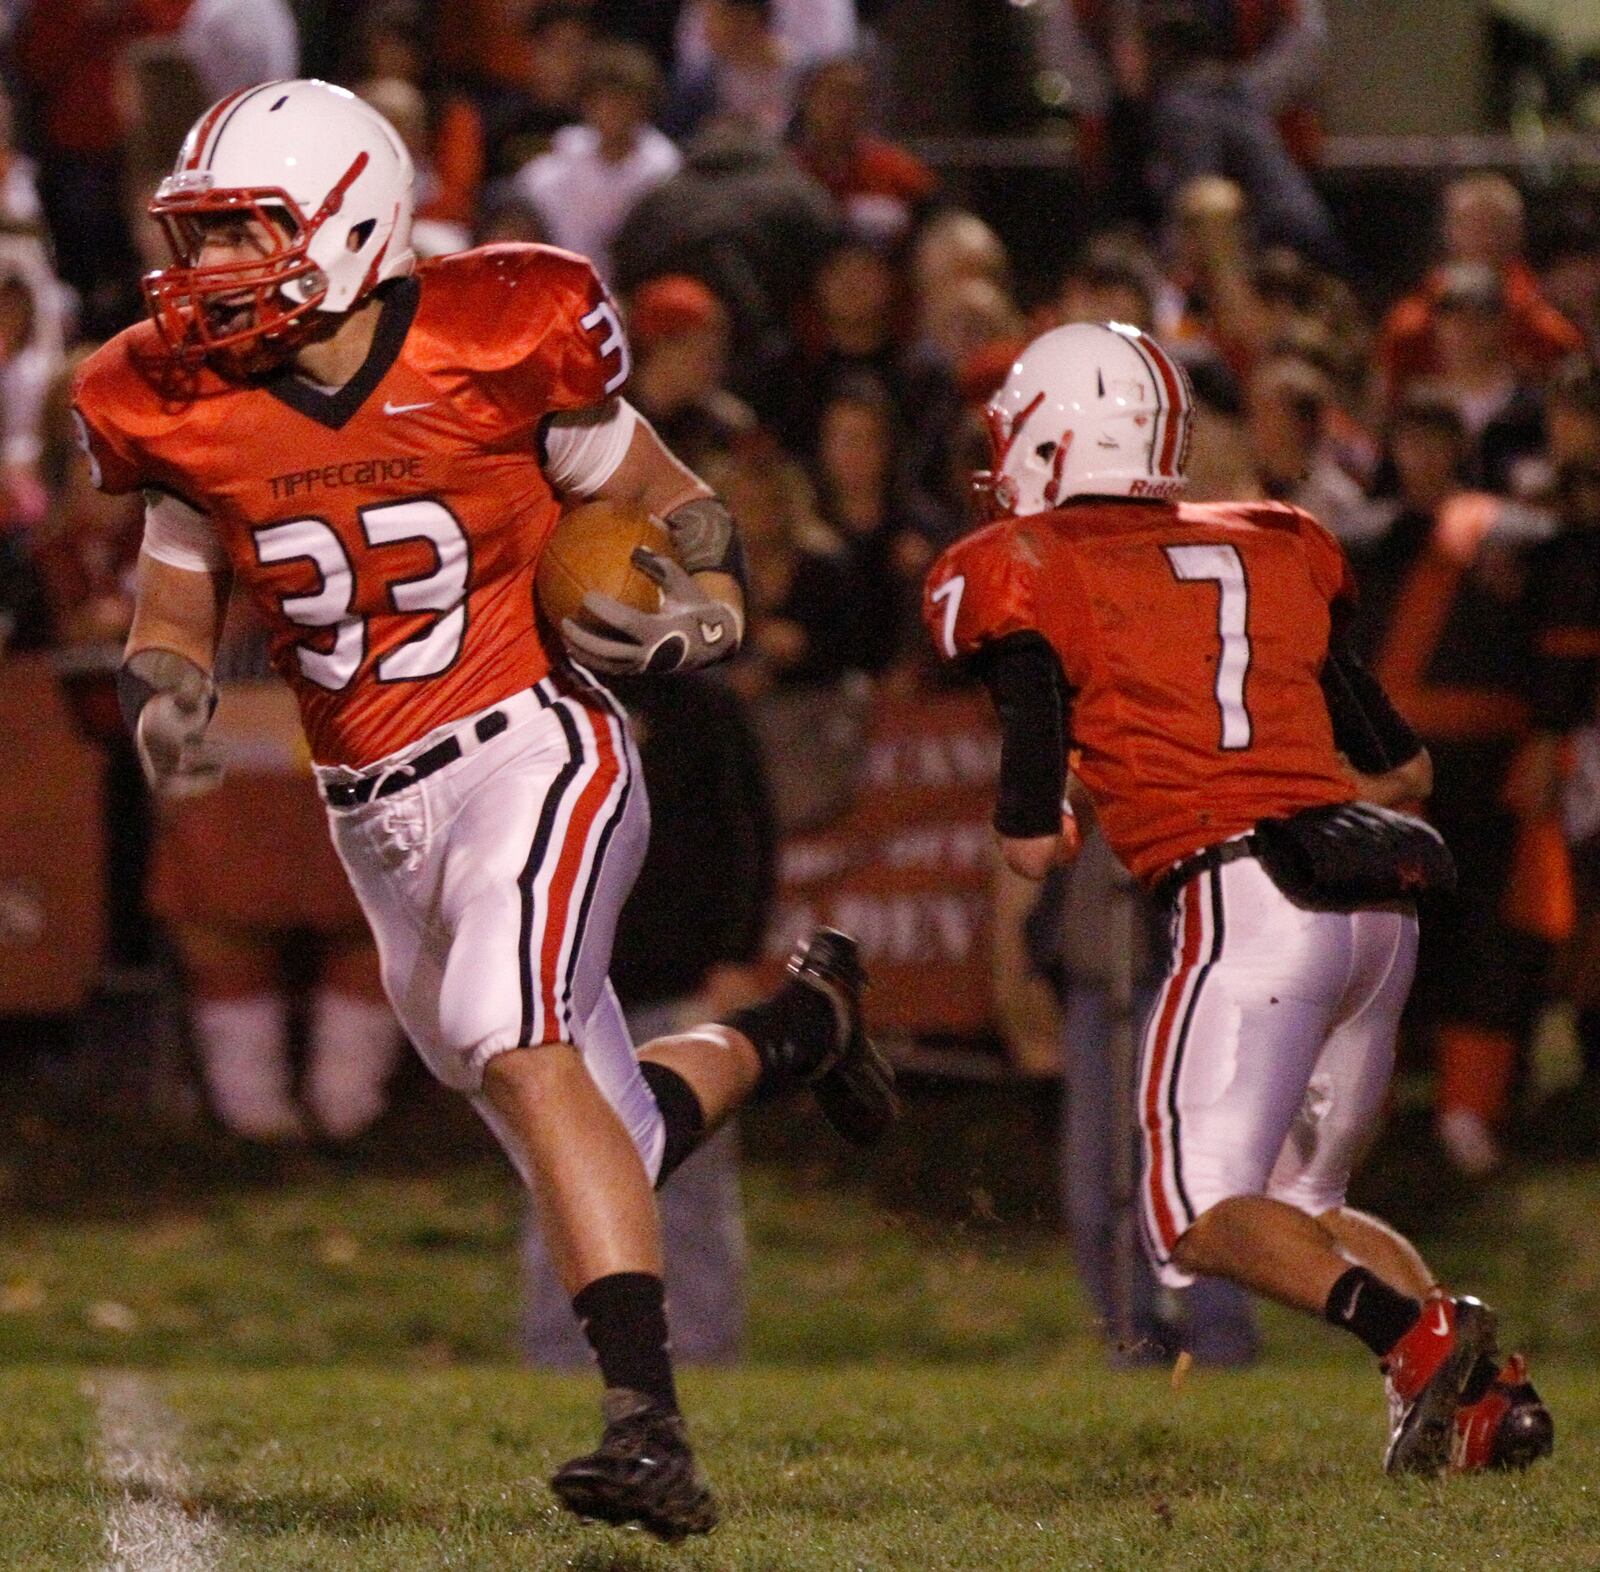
(592, 549)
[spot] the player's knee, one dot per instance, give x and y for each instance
(513, 1073)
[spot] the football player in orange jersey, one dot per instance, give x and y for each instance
(1243, 766)
(375, 450)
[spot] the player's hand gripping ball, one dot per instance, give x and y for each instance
(611, 581)
(591, 550)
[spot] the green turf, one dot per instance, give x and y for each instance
(925, 1391)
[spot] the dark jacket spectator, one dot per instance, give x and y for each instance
(741, 218)
(704, 895)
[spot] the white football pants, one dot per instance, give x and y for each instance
(1267, 1053)
(493, 888)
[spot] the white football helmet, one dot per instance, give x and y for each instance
(1092, 409)
(328, 168)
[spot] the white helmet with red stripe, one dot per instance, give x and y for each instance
(1092, 409)
(331, 180)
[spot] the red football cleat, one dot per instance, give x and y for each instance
(1427, 1373)
(1507, 1426)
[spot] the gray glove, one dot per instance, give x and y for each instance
(691, 629)
(170, 701)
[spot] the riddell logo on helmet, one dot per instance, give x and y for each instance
(1164, 489)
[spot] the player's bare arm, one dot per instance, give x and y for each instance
(701, 620)
(1411, 782)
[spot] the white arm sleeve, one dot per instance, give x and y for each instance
(181, 536)
(582, 448)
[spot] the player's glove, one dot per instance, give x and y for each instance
(168, 702)
(691, 629)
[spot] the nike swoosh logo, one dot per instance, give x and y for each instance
(711, 632)
(402, 409)
(1443, 1328)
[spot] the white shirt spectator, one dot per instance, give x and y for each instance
(237, 43)
(810, 31)
(583, 198)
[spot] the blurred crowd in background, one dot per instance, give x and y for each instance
(817, 316)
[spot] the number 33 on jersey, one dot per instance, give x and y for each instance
(388, 530)
(1191, 640)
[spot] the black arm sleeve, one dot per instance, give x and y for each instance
(1367, 729)
(1024, 679)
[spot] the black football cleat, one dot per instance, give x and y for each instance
(1429, 1374)
(642, 1472)
(1502, 1421)
(854, 1083)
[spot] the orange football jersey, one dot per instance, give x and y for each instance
(388, 530)
(1192, 639)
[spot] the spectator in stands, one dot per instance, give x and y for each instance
(1287, 402)
(748, 75)
(741, 218)
(853, 325)
(951, 246)
(86, 549)
(861, 496)
(1570, 278)
(1439, 621)
(522, 63)
(687, 948)
(233, 44)
(504, 216)
(881, 189)
(803, 600)
(597, 171)
(679, 333)
(802, 655)
(1557, 780)
(1113, 280)
(21, 211)
(1221, 85)
(70, 54)
(31, 357)
(1503, 414)
(448, 145)
(809, 30)
(1482, 223)
(1212, 291)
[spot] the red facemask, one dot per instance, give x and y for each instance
(194, 307)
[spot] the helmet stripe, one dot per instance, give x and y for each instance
(211, 117)
(1175, 405)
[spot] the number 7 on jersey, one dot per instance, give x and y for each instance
(1222, 566)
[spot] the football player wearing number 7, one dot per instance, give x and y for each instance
(1245, 767)
(375, 450)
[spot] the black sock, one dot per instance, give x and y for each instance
(681, 1114)
(1366, 1305)
(624, 1317)
(792, 1033)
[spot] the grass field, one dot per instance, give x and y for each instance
(213, 1360)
